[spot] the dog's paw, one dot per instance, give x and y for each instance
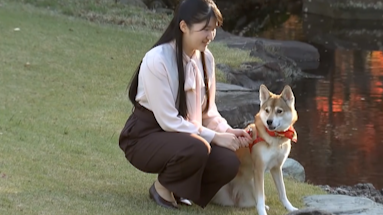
(267, 207)
(291, 208)
(262, 210)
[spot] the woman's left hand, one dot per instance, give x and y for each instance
(243, 137)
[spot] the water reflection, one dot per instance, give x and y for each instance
(340, 123)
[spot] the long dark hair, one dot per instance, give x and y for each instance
(192, 12)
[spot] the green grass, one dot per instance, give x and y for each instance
(105, 11)
(135, 19)
(62, 105)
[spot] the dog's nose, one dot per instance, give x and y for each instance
(269, 122)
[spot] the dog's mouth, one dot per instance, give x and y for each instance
(271, 128)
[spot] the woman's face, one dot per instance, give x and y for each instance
(197, 36)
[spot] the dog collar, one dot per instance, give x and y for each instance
(289, 133)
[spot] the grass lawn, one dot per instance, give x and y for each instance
(62, 105)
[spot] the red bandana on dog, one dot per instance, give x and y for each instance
(289, 133)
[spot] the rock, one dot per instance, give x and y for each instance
(275, 55)
(273, 74)
(237, 105)
(361, 190)
(341, 191)
(341, 9)
(373, 211)
(342, 204)
(224, 87)
(252, 75)
(305, 55)
(294, 169)
(310, 211)
(365, 186)
(325, 188)
(137, 3)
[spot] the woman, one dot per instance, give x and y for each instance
(176, 130)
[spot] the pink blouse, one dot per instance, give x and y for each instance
(158, 87)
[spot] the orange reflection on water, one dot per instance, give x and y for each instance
(376, 65)
(376, 61)
(323, 104)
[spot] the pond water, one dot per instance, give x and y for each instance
(340, 126)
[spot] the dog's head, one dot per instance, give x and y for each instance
(277, 111)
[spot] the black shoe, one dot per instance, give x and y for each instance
(182, 201)
(159, 200)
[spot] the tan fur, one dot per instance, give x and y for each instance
(247, 188)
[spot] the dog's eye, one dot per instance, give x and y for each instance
(267, 110)
(279, 111)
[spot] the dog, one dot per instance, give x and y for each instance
(272, 133)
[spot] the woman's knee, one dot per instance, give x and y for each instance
(200, 145)
(229, 166)
(196, 151)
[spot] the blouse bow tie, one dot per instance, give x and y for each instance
(193, 88)
(193, 76)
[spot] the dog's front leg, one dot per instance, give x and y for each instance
(277, 175)
(259, 188)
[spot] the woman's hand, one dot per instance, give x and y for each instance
(243, 137)
(227, 140)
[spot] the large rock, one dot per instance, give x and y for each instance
(294, 169)
(275, 55)
(361, 189)
(237, 105)
(346, 9)
(273, 71)
(341, 204)
(252, 74)
(305, 55)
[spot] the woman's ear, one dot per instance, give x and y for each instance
(184, 27)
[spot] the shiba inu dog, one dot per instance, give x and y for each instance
(272, 133)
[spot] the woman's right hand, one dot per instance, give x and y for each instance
(227, 140)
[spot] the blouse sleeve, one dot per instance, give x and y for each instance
(212, 119)
(154, 77)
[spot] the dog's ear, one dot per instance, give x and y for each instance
(288, 95)
(264, 94)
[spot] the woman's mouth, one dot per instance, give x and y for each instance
(206, 43)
